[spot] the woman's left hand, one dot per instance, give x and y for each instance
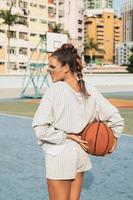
(77, 138)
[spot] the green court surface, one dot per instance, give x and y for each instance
(27, 108)
(18, 107)
(120, 95)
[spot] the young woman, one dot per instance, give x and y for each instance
(65, 109)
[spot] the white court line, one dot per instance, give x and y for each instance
(10, 115)
(127, 135)
(17, 116)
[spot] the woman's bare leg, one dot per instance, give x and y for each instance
(76, 186)
(59, 189)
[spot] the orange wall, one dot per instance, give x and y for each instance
(106, 30)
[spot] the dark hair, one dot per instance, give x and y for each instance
(68, 54)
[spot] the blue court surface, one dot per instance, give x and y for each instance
(22, 169)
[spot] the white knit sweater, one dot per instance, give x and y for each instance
(62, 111)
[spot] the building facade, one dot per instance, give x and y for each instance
(122, 53)
(127, 16)
(71, 16)
(24, 40)
(93, 4)
(106, 29)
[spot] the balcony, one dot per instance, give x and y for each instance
(51, 12)
(61, 2)
(51, 1)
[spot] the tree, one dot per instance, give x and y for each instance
(130, 66)
(56, 28)
(10, 19)
(90, 47)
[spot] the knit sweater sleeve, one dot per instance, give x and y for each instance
(107, 112)
(42, 123)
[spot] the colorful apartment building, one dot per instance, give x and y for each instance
(106, 29)
(25, 39)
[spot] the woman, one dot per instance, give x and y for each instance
(65, 109)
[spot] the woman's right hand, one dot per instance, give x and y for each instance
(77, 138)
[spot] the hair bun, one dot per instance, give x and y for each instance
(69, 47)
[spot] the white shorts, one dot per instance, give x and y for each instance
(67, 163)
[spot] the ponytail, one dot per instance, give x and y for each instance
(79, 67)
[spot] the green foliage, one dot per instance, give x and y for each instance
(56, 28)
(90, 46)
(10, 19)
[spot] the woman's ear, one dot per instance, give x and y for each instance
(66, 68)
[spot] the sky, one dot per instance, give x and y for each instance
(117, 4)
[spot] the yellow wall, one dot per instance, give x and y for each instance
(2, 53)
(106, 29)
(108, 19)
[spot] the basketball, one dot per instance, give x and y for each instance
(100, 138)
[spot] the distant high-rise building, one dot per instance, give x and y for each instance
(122, 53)
(92, 4)
(70, 15)
(127, 16)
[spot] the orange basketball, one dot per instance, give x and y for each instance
(100, 138)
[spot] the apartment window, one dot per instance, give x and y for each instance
(23, 35)
(42, 35)
(12, 50)
(12, 34)
(11, 2)
(43, 21)
(80, 21)
(33, 20)
(80, 38)
(51, 12)
(2, 31)
(12, 65)
(2, 63)
(42, 6)
(23, 20)
(80, 30)
(33, 5)
(33, 49)
(33, 34)
(22, 65)
(23, 51)
(23, 4)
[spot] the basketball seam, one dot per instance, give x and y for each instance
(96, 138)
(84, 135)
(108, 139)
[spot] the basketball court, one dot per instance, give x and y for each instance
(22, 169)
